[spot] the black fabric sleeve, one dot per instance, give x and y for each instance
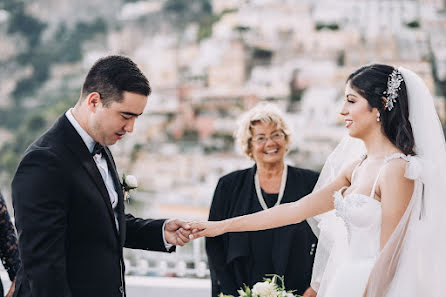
(40, 198)
(144, 234)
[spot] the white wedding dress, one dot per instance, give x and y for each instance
(362, 217)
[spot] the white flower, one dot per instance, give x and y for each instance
(264, 289)
(131, 181)
(241, 293)
(285, 294)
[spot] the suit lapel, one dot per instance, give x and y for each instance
(120, 207)
(76, 145)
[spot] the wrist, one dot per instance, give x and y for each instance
(224, 226)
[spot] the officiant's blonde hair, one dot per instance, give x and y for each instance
(265, 113)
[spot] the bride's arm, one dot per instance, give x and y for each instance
(285, 214)
(396, 191)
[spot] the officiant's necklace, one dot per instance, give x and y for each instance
(281, 191)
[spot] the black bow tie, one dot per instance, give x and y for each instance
(98, 149)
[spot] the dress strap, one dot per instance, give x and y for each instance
(396, 156)
(386, 160)
(363, 157)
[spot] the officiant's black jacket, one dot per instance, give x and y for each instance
(242, 258)
(68, 240)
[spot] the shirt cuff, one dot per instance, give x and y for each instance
(166, 244)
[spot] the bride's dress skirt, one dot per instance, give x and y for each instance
(350, 279)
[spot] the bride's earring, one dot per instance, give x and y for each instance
(378, 117)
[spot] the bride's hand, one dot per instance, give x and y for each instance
(206, 229)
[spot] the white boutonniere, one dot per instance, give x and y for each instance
(129, 183)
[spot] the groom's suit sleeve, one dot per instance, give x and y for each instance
(144, 234)
(39, 195)
(221, 275)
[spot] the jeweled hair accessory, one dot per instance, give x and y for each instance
(393, 86)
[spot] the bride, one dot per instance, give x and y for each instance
(389, 200)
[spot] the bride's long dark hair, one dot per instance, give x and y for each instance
(371, 83)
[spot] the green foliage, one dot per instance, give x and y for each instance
(24, 136)
(9, 161)
(190, 135)
(206, 23)
(260, 53)
(205, 26)
(190, 7)
(11, 117)
(296, 95)
(11, 5)
(28, 26)
(27, 125)
(329, 26)
(27, 86)
(175, 6)
(192, 11)
(413, 24)
(66, 46)
(135, 150)
(333, 27)
(56, 106)
(242, 29)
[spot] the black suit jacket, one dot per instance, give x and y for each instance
(68, 240)
(293, 248)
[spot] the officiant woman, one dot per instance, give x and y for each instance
(245, 258)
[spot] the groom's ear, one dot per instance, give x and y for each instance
(93, 100)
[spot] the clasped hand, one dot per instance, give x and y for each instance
(206, 229)
(179, 232)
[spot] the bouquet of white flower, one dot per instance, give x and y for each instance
(268, 288)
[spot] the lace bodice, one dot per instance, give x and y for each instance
(362, 217)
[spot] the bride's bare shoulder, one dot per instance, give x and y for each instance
(347, 170)
(393, 183)
(394, 171)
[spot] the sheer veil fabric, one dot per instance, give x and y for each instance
(413, 261)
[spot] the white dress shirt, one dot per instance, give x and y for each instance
(102, 165)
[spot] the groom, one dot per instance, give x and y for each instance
(67, 197)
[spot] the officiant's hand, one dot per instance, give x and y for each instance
(177, 232)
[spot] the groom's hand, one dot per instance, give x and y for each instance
(177, 232)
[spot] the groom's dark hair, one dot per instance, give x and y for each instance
(111, 76)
